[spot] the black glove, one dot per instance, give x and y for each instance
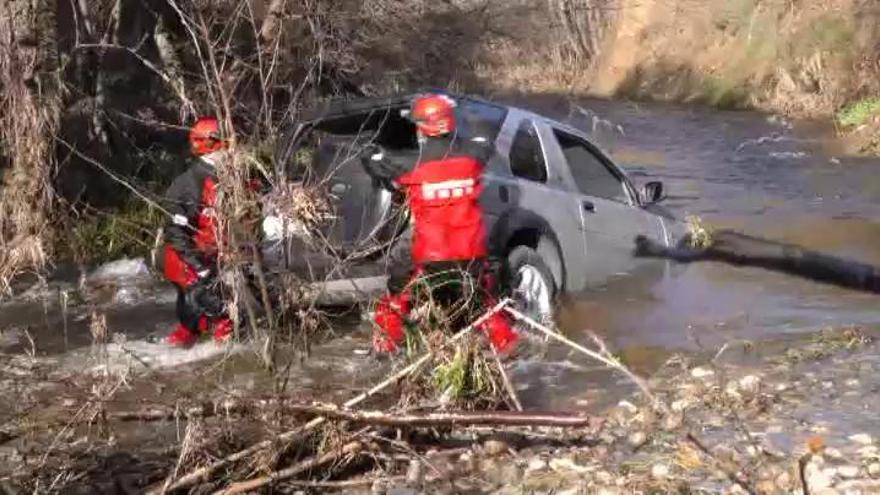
(379, 169)
(204, 295)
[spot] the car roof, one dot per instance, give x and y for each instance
(337, 107)
(342, 106)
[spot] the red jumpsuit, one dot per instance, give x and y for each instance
(191, 250)
(442, 193)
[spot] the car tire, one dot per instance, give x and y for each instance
(531, 284)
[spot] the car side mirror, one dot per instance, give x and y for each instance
(652, 192)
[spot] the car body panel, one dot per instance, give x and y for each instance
(590, 246)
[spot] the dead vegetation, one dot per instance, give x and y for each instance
(29, 119)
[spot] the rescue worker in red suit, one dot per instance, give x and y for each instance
(448, 230)
(191, 241)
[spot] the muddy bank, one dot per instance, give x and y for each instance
(813, 59)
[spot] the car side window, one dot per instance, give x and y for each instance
(592, 177)
(526, 156)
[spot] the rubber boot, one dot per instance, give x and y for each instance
(501, 334)
(181, 337)
(389, 317)
(222, 330)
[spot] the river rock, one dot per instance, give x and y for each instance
(861, 439)
(628, 406)
(869, 452)
(495, 447)
(637, 439)
(660, 471)
(750, 385)
(853, 383)
(874, 469)
(848, 471)
(468, 463)
(681, 405)
(536, 464)
(702, 373)
(673, 420)
(765, 486)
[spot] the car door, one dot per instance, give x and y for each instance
(610, 215)
(527, 186)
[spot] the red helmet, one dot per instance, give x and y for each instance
(434, 114)
(205, 136)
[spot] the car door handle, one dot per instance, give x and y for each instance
(589, 206)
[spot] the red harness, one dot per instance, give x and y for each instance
(443, 197)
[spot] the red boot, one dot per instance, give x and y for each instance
(181, 337)
(222, 330)
(501, 334)
(389, 318)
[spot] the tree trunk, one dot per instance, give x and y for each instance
(743, 250)
(172, 67)
(272, 22)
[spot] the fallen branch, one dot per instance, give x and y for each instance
(350, 448)
(613, 363)
(508, 385)
(204, 472)
(338, 485)
(451, 418)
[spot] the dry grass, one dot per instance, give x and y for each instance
(27, 124)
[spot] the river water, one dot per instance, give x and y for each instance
(756, 173)
(744, 170)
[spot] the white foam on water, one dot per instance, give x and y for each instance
(121, 270)
(120, 358)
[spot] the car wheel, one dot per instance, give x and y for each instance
(532, 286)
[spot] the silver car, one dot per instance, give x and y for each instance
(560, 213)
